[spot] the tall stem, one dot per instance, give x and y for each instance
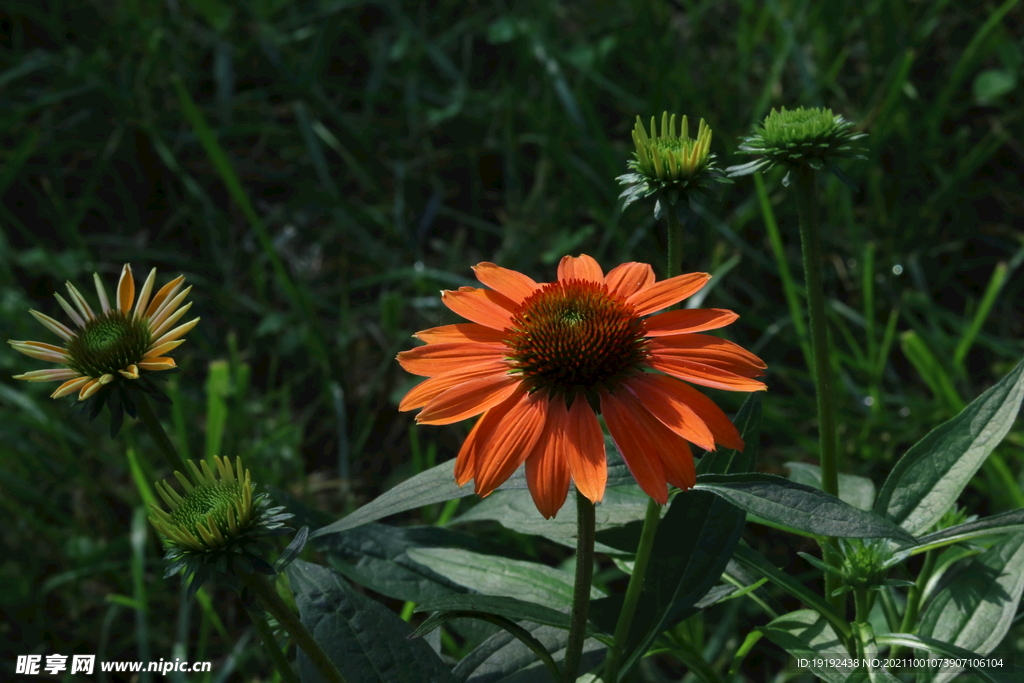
(585, 524)
(291, 623)
(270, 643)
(152, 423)
(807, 207)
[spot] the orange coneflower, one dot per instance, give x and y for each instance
(113, 346)
(538, 361)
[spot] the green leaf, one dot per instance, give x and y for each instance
(376, 556)
(748, 558)
(857, 491)
(799, 508)
(992, 84)
(1011, 673)
(975, 609)
(504, 659)
(364, 639)
(865, 633)
(492, 575)
(511, 608)
(805, 634)
(930, 476)
(516, 510)
(1005, 523)
(437, 485)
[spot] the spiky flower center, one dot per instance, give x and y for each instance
(573, 335)
(671, 154)
(795, 126)
(110, 342)
(216, 502)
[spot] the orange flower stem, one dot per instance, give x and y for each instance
(585, 525)
(156, 430)
(807, 208)
(636, 583)
(291, 623)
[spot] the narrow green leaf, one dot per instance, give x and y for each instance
(805, 634)
(1005, 523)
(218, 388)
(504, 659)
(1009, 673)
(798, 507)
(988, 299)
(510, 608)
(931, 370)
(493, 575)
(975, 609)
(857, 491)
(930, 476)
(364, 639)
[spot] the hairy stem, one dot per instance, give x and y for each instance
(581, 592)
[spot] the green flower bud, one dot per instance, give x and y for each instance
(863, 563)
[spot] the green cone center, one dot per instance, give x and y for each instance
(203, 500)
(110, 342)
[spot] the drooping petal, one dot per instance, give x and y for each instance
(179, 331)
(468, 399)
(436, 359)
(511, 283)
(125, 289)
(424, 392)
(101, 292)
(704, 348)
(57, 328)
(721, 426)
(678, 466)
(703, 374)
(41, 351)
(487, 307)
(636, 446)
(625, 280)
(688, 321)
(72, 313)
(160, 363)
(147, 290)
(70, 386)
(467, 460)
(49, 375)
(80, 302)
(580, 268)
(89, 388)
(667, 292)
(656, 394)
(131, 372)
(167, 291)
(509, 442)
(460, 332)
(547, 473)
(584, 449)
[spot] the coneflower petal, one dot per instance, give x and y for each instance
(467, 459)
(70, 386)
(89, 388)
(168, 307)
(654, 393)
(509, 442)
(460, 332)
(688, 321)
(161, 349)
(101, 293)
(677, 462)
(625, 280)
(709, 349)
(703, 374)
(437, 359)
(424, 392)
(41, 351)
(80, 302)
(156, 364)
(49, 375)
(147, 290)
(512, 284)
(485, 306)
(636, 445)
(57, 328)
(547, 473)
(582, 267)
(584, 450)
(178, 331)
(663, 294)
(156, 331)
(131, 372)
(467, 399)
(125, 289)
(72, 313)
(166, 291)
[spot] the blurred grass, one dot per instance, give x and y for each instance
(318, 170)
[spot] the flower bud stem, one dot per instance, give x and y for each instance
(156, 430)
(270, 642)
(585, 521)
(291, 623)
(807, 208)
